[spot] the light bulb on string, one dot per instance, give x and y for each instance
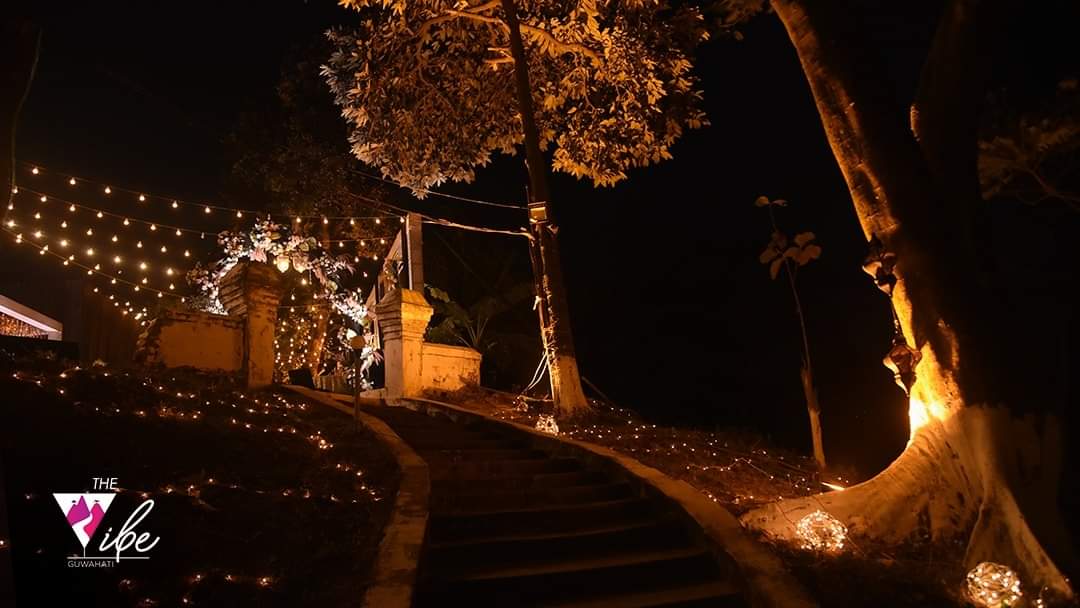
(142, 198)
(35, 171)
(71, 208)
(71, 181)
(207, 209)
(108, 190)
(178, 233)
(153, 227)
(44, 198)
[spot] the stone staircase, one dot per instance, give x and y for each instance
(514, 526)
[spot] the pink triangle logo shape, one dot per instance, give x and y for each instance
(84, 512)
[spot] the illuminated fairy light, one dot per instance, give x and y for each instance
(101, 213)
(547, 424)
(991, 585)
(206, 207)
(820, 531)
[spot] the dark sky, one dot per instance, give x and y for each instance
(674, 316)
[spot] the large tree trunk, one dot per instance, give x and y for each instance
(554, 312)
(972, 468)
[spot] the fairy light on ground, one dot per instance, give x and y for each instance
(991, 585)
(819, 531)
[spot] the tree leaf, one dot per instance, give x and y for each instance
(761, 201)
(774, 268)
(803, 238)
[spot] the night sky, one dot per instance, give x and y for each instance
(673, 314)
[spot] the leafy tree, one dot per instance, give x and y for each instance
(292, 157)
(427, 91)
(788, 255)
(974, 471)
(608, 85)
(1032, 156)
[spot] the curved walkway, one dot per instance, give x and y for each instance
(511, 525)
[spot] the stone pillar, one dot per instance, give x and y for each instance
(251, 292)
(403, 316)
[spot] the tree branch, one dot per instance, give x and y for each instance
(944, 115)
(535, 33)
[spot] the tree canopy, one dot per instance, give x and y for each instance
(427, 87)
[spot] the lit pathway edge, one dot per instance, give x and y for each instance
(395, 568)
(767, 582)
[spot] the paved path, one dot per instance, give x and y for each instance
(513, 526)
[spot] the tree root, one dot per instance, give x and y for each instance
(979, 475)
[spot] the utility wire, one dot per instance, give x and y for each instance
(442, 194)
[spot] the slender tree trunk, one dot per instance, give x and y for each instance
(322, 319)
(806, 373)
(973, 469)
(553, 310)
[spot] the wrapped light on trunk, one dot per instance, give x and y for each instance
(820, 531)
(993, 585)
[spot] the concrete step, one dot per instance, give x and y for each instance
(478, 455)
(540, 480)
(500, 468)
(486, 500)
(442, 443)
(716, 594)
(564, 519)
(525, 548)
(449, 435)
(571, 579)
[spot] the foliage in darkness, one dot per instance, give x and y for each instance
(427, 86)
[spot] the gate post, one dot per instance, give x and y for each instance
(251, 292)
(403, 316)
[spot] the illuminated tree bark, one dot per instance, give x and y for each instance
(322, 319)
(973, 468)
(553, 310)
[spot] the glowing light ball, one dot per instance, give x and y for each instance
(820, 531)
(282, 263)
(993, 585)
(547, 424)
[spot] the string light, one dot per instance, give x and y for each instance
(819, 531)
(991, 585)
(176, 203)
